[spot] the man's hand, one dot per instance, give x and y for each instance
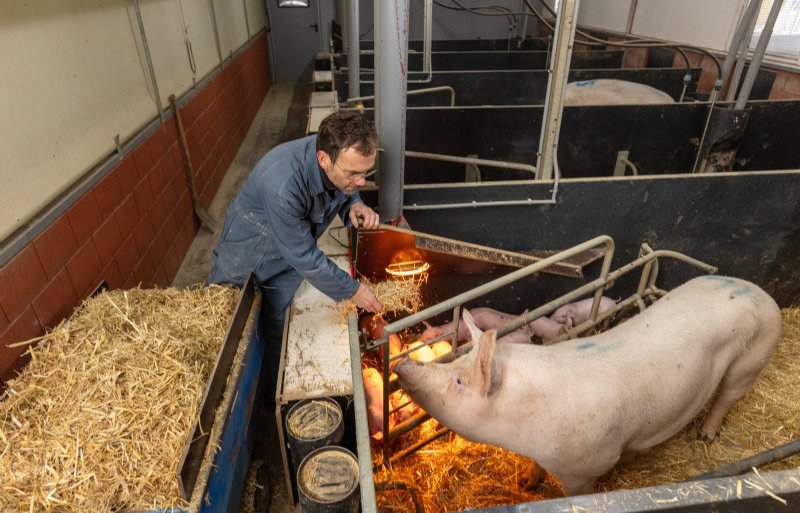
(364, 298)
(360, 213)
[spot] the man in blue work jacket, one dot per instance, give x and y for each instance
(287, 202)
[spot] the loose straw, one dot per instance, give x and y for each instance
(98, 419)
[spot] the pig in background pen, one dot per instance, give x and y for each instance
(453, 474)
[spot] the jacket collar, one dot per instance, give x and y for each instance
(313, 167)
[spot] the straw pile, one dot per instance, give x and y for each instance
(99, 417)
(456, 475)
(396, 296)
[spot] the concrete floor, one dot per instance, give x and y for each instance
(282, 117)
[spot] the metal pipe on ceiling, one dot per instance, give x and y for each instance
(758, 55)
(556, 85)
(391, 72)
(353, 64)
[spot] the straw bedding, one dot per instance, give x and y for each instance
(456, 475)
(395, 296)
(98, 419)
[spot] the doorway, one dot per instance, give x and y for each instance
(295, 38)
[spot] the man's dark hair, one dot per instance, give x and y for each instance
(344, 129)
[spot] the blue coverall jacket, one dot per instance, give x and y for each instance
(272, 227)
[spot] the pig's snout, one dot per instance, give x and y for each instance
(405, 369)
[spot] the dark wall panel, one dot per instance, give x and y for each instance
(747, 224)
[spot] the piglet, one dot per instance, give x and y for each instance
(404, 407)
(489, 318)
(373, 393)
(572, 314)
(579, 407)
(441, 348)
(420, 351)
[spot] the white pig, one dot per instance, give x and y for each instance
(605, 91)
(489, 318)
(579, 407)
(573, 314)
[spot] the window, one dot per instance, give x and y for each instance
(785, 40)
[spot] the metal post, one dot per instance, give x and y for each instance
(427, 36)
(758, 55)
(556, 84)
(741, 60)
(149, 60)
(353, 54)
(741, 30)
(216, 31)
(367, 483)
(342, 7)
(522, 28)
(391, 73)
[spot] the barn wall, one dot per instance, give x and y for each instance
(134, 226)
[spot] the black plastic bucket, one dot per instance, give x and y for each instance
(311, 424)
(327, 481)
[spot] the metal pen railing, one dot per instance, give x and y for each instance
(412, 92)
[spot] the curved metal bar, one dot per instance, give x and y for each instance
(473, 160)
(412, 92)
(495, 284)
(599, 284)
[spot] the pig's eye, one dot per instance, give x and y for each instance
(459, 382)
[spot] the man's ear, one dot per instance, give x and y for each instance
(324, 159)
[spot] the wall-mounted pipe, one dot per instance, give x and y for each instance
(148, 58)
(741, 32)
(216, 32)
(391, 72)
(758, 55)
(246, 21)
(556, 85)
(353, 62)
(741, 60)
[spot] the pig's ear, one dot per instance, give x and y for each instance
(483, 364)
(470, 322)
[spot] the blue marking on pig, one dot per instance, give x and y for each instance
(583, 83)
(613, 346)
(739, 290)
(605, 348)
